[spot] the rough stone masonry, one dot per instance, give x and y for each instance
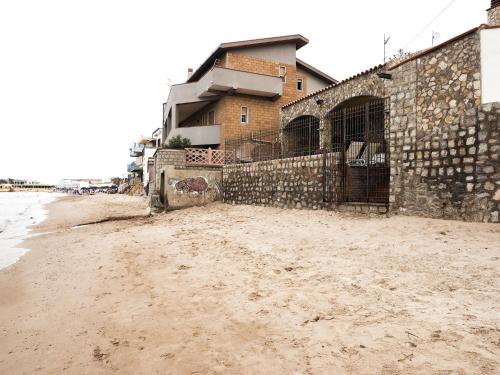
(444, 150)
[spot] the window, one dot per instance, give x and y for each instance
(283, 73)
(211, 117)
(300, 84)
(245, 115)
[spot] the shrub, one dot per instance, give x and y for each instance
(178, 143)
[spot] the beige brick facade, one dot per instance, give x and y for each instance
(263, 112)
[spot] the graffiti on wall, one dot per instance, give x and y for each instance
(190, 185)
(209, 189)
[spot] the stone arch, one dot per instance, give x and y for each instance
(350, 110)
(300, 136)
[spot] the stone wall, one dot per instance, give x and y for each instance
(162, 158)
(494, 16)
(443, 143)
(434, 102)
(287, 183)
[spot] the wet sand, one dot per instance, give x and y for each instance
(250, 290)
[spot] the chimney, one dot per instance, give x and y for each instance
(190, 71)
(494, 13)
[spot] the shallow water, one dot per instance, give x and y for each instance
(18, 211)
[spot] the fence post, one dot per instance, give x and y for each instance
(209, 155)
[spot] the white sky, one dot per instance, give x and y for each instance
(81, 80)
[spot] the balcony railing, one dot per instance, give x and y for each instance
(208, 157)
(136, 149)
(133, 167)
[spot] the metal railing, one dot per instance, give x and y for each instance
(298, 138)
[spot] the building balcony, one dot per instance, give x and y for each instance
(136, 149)
(189, 98)
(133, 167)
(222, 80)
(198, 135)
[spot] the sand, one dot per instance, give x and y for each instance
(250, 290)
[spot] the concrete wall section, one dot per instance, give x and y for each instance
(186, 187)
(162, 158)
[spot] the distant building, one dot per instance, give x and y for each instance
(142, 151)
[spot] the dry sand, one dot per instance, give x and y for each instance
(250, 290)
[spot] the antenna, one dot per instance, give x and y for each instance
(435, 37)
(386, 40)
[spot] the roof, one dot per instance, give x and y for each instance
(494, 4)
(298, 39)
(311, 69)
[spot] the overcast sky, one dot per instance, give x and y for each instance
(81, 80)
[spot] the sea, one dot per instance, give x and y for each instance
(19, 211)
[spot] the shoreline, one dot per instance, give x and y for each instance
(243, 289)
(19, 218)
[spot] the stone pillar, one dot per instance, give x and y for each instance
(494, 13)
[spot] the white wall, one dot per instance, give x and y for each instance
(490, 65)
(148, 153)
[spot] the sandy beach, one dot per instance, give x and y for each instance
(249, 290)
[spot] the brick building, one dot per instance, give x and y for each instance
(240, 88)
(420, 135)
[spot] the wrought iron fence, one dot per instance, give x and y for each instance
(355, 157)
(298, 138)
(359, 139)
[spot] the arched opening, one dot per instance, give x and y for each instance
(301, 136)
(359, 136)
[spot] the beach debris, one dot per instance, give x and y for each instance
(254, 296)
(289, 269)
(115, 342)
(436, 335)
(405, 357)
(182, 267)
(167, 355)
(412, 334)
(318, 318)
(98, 354)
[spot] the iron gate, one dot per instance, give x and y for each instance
(360, 153)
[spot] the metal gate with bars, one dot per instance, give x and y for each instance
(360, 153)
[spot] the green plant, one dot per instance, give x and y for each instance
(178, 143)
